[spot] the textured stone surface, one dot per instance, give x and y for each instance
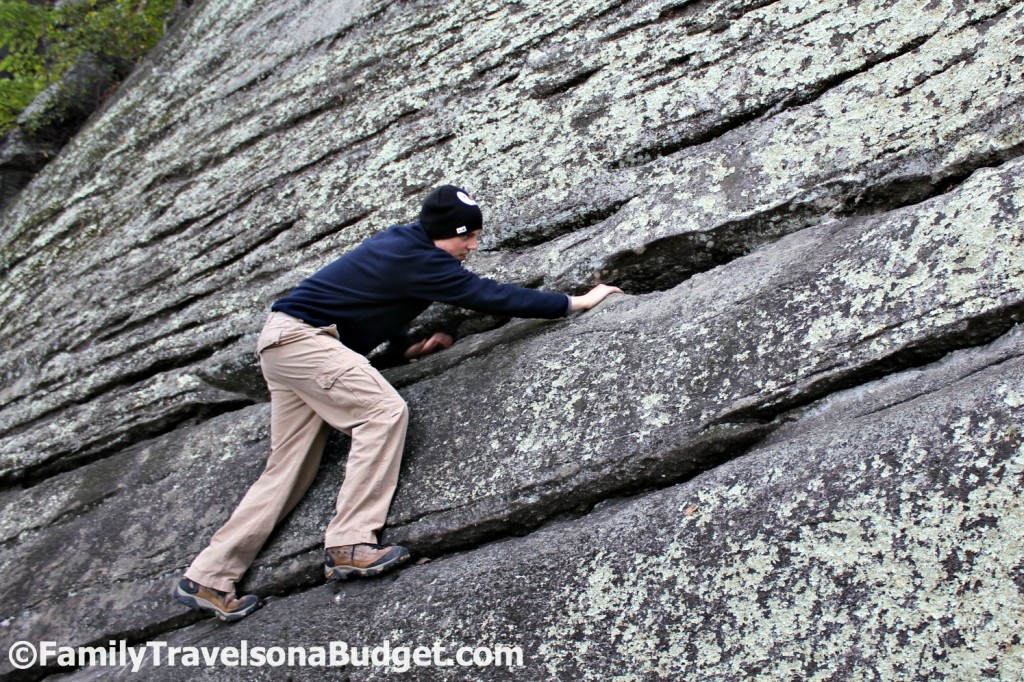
(878, 136)
(20, 159)
(572, 420)
(865, 547)
(806, 202)
(653, 388)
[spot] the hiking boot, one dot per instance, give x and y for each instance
(362, 560)
(225, 605)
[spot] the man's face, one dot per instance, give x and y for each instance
(459, 246)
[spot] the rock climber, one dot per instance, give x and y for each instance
(312, 351)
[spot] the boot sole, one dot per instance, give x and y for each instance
(199, 604)
(346, 572)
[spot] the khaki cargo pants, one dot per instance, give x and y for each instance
(315, 383)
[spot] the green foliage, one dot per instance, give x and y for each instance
(15, 95)
(44, 42)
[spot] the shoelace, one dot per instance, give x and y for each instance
(228, 597)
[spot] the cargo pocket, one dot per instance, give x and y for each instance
(352, 383)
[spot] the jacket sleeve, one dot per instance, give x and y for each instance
(444, 279)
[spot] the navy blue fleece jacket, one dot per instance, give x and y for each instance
(373, 292)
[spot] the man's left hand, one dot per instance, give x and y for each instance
(436, 342)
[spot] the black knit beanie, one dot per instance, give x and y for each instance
(449, 211)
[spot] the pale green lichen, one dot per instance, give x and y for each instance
(964, 271)
(872, 576)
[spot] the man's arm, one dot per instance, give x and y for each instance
(443, 279)
(440, 341)
(447, 281)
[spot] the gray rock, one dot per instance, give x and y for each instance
(20, 159)
(639, 393)
(881, 542)
(642, 393)
(688, 219)
(62, 107)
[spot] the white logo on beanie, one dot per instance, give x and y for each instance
(460, 230)
(465, 198)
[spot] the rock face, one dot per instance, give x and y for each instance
(792, 451)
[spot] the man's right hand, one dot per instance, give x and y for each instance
(593, 297)
(436, 342)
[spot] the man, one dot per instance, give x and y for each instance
(312, 352)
